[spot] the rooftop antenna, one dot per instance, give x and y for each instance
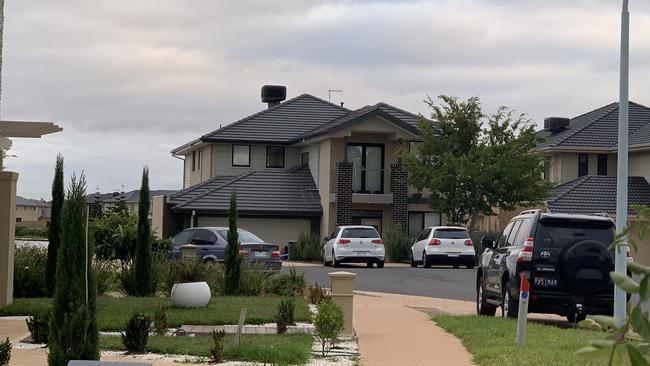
(329, 93)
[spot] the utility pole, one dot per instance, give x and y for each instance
(620, 297)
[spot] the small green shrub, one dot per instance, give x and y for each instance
(105, 275)
(31, 232)
(160, 323)
(316, 294)
(397, 244)
(39, 327)
(252, 280)
(285, 316)
(29, 271)
(216, 351)
(285, 284)
(184, 271)
(137, 333)
(126, 278)
(5, 352)
(308, 248)
(328, 323)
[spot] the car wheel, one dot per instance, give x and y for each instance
(470, 265)
(456, 266)
(326, 263)
(508, 304)
(335, 263)
(380, 264)
(482, 306)
(576, 318)
(369, 264)
(425, 260)
(413, 262)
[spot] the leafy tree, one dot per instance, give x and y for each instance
(115, 236)
(54, 228)
(628, 340)
(74, 334)
(328, 324)
(143, 257)
(473, 163)
(232, 258)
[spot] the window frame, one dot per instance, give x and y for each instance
(268, 148)
(194, 160)
(583, 167)
(302, 158)
(602, 164)
(363, 166)
(232, 153)
(510, 240)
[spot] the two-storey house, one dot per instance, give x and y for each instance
(300, 165)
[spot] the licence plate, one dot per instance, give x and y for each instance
(453, 254)
(260, 255)
(545, 282)
(364, 252)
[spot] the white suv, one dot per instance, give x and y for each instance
(443, 245)
(354, 244)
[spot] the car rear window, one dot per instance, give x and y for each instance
(451, 234)
(244, 236)
(360, 233)
(560, 233)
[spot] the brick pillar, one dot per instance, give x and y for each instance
(343, 193)
(399, 189)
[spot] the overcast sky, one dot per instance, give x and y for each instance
(130, 80)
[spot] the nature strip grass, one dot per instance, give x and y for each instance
(491, 340)
(275, 349)
(113, 312)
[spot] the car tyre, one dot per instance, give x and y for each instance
(482, 306)
(575, 318)
(426, 263)
(369, 264)
(326, 263)
(413, 262)
(380, 264)
(335, 263)
(470, 265)
(509, 306)
(456, 266)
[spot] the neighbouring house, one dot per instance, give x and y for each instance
(32, 213)
(300, 165)
(132, 199)
(582, 160)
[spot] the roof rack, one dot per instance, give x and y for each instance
(530, 212)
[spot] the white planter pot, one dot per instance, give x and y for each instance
(190, 295)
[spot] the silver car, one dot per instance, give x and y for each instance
(211, 242)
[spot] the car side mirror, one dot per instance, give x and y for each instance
(326, 238)
(488, 242)
(413, 240)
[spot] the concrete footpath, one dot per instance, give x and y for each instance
(398, 330)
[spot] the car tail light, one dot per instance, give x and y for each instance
(343, 241)
(469, 242)
(526, 254)
(377, 241)
(276, 254)
(244, 253)
(629, 256)
(434, 241)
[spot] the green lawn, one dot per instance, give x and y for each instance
(113, 312)
(286, 349)
(492, 342)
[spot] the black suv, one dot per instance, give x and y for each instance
(565, 258)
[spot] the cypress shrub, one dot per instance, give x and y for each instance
(232, 258)
(54, 228)
(74, 334)
(137, 333)
(143, 257)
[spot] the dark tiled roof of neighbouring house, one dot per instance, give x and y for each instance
(264, 192)
(129, 197)
(593, 194)
(599, 129)
(301, 117)
(22, 201)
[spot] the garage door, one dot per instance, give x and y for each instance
(277, 231)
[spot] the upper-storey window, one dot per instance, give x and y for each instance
(583, 164)
(305, 158)
(602, 164)
(193, 160)
(241, 155)
(367, 167)
(275, 156)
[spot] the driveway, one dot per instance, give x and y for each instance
(438, 282)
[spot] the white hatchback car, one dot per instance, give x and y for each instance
(443, 245)
(354, 244)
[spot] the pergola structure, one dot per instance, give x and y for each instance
(8, 182)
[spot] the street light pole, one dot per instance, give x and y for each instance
(620, 297)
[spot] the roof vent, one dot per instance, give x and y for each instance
(273, 94)
(556, 124)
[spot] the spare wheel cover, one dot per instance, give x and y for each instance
(586, 266)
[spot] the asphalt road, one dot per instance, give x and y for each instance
(440, 282)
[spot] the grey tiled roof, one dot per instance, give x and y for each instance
(22, 201)
(592, 194)
(298, 118)
(130, 197)
(599, 129)
(264, 192)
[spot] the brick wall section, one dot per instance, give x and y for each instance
(343, 193)
(399, 189)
